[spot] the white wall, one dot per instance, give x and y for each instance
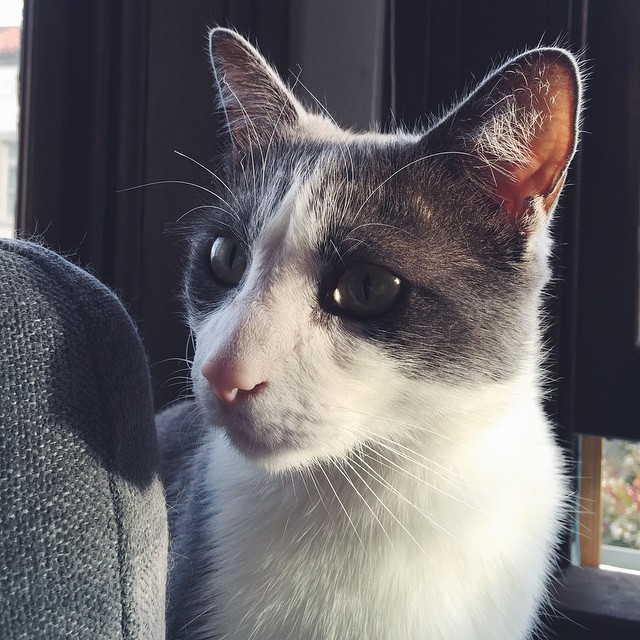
(339, 44)
(8, 98)
(8, 136)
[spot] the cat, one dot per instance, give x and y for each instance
(366, 456)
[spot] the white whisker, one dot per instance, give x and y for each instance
(346, 513)
(377, 476)
(213, 174)
(389, 443)
(180, 182)
(202, 206)
(364, 225)
(393, 515)
(373, 513)
(390, 464)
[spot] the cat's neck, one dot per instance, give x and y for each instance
(428, 506)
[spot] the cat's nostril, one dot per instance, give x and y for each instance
(231, 382)
(241, 394)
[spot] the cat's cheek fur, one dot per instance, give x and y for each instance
(321, 397)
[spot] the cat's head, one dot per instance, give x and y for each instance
(349, 288)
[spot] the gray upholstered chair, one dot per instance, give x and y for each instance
(83, 535)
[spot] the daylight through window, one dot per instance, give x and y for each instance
(10, 33)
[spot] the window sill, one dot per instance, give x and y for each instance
(592, 604)
(620, 557)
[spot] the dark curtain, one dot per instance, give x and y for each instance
(110, 91)
(607, 363)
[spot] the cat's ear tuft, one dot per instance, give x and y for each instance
(256, 103)
(519, 132)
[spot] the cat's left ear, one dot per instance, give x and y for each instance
(256, 103)
(517, 133)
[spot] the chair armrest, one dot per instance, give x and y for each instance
(83, 533)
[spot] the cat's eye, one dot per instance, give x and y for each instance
(228, 260)
(366, 291)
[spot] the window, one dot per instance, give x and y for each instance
(621, 504)
(609, 519)
(10, 34)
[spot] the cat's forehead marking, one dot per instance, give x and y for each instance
(377, 197)
(371, 191)
(290, 232)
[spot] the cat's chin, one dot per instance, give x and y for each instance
(272, 457)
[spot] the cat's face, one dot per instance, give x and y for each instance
(346, 289)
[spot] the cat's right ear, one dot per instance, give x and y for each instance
(257, 105)
(517, 133)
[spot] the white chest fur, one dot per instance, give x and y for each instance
(400, 546)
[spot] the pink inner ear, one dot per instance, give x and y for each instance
(550, 149)
(256, 102)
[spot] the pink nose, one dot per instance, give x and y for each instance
(231, 381)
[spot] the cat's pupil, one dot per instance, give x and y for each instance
(367, 286)
(228, 261)
(232, 256)
(366, 291)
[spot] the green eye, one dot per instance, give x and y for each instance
(228, 260)
(366, 290)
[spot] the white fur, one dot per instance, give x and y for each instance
(454, 548)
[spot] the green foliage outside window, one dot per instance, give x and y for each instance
(621, 494)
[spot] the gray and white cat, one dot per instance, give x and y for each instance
(366, 456)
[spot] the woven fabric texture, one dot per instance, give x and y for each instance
(83, 534)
